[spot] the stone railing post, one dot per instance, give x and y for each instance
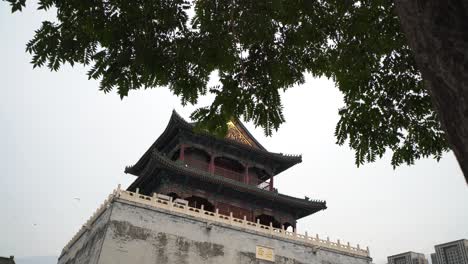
(109, 199)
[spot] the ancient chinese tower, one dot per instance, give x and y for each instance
(234, 175)
(202, 199)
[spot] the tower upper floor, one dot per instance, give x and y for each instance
(238, 156)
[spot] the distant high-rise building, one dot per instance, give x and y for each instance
(434, 258)
(407, 258)
(455, 252)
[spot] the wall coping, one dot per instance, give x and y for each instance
(180, 206)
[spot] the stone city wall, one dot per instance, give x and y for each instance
(133, 228)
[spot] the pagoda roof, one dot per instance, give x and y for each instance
(303, 207)
(241, 139)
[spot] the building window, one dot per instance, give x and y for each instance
(452, 255)
(400, 260)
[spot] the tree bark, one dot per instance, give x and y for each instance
(437, 32)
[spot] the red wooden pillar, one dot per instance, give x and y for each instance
(271, 183)
(211, 167)
(182, 152)
(246, 176)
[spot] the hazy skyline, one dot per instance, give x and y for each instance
(62, 139)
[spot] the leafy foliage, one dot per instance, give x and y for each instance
(258, 48)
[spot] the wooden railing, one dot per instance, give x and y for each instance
(230, 174)
(199, 164)
(165, 202)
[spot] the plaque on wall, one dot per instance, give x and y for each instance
(265, 253)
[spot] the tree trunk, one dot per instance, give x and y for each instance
(437, 32)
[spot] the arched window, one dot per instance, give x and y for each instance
(197, 202)
(288, 227)
(173, 195)
(197, 158)
(229, 168)
(237, 212)
(267, 219)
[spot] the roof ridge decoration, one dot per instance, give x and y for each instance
(234, 133)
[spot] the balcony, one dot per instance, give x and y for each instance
(230, 174)
(199, 164)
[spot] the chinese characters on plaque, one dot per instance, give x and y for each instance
(265, 253)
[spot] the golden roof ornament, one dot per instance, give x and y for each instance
(234, 133)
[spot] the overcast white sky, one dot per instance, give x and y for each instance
(62, 139)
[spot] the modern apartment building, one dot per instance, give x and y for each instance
(455, 252)
(434, 258)
(408, 258)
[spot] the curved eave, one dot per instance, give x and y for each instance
(176, 123)
(304, 207)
